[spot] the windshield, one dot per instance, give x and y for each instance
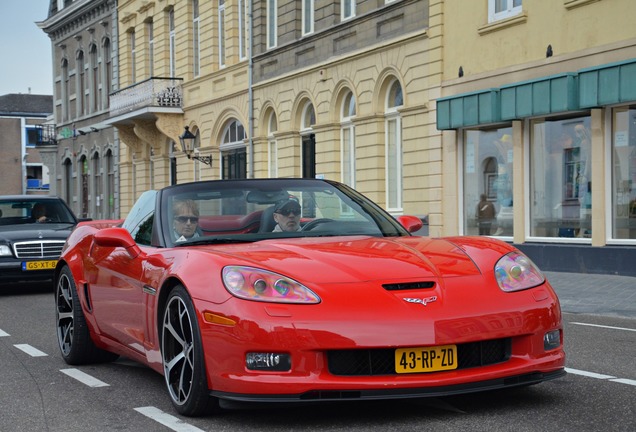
(251, 210)
(33, 210)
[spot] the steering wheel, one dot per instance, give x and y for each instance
(314, 223)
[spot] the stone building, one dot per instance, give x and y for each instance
(83, 37)
(23, 133)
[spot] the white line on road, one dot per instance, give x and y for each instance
(84, 378)
(3, 333)
(604, 326)
(600, 376)
(167, 420)
(33, 352)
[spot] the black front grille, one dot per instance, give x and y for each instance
(48, 249)
(368, 362)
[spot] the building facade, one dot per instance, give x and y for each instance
(538, 110)
(84, 166)
(335, 89)
(23, 135)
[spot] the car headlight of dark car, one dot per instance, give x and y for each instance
(515, 272)
(252, 283)
(5, 251)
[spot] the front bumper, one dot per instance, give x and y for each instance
(11, 272)
(399, 393)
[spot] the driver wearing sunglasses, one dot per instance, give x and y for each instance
(186, 220)
(287, 216)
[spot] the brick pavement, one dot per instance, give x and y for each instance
(597, 294)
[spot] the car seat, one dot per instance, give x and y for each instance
(267, 220)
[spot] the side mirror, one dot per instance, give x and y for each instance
(411, 223)
(117, 237)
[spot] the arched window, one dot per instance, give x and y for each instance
(272, 145)
(94, 78)
(233, 153)
(109, 194)
(97, 186)
(393, 149)
(68, 181)
(308, 141)
(107, 72)
(80, 85)
(64, 91)
(347, 140)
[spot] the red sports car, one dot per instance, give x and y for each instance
(301, 290)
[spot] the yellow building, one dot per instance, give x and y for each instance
(538, 110)
(336, 89)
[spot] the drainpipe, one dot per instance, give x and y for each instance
(250, 95)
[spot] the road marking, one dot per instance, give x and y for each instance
(33, 352)
(601, 376)
(604, 326)
(84, 378)
(167, 420)
(3, 333)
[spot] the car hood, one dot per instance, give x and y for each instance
(35, 232)
(354, 259)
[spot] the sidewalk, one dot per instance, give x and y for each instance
(597, 294)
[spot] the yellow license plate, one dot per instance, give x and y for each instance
(426, 359)
(39, 265)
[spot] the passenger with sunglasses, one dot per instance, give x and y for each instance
(186, 220)
(287, 216)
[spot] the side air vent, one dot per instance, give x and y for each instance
(408, 286)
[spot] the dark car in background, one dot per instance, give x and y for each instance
(33, 230)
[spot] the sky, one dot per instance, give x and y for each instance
(25, 50)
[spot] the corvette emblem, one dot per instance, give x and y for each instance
(422, 301)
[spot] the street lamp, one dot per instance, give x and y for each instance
(187, 145)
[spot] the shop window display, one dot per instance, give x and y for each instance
(624, 174)
(487, 180)
(561, 178)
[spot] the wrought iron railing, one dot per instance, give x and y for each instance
(153, 92)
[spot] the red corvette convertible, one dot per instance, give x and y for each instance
(301, 290)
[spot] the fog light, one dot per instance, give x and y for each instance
(268, 361)
(552, 340)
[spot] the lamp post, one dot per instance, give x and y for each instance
(187, 145)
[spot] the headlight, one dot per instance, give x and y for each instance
(261, 285)
(5, 250)
(516, 271)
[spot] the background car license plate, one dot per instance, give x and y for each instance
(426, 359)
(38, 265)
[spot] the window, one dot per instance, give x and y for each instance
(308, 16)
(347, 140)
(171, 43)
(68, 181)
(80, 85)
(94, 78)
(501, 9)
(197, 164)
(272, 146)
(624, 173)
(65, 90)
(97, 186)
(243, 29)
(487, 171)
(233, 153)
(109, 195)
(107, 72)
(308, 141)
(133, 58)
(393, 150)
(348, 9)
(272, 38)
(560, 178)
(33, 136)
(221, 33)
(151, 49)
(196, 38)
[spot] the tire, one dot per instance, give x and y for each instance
(73, 336)
(182, 357)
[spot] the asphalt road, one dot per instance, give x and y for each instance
(39, 392)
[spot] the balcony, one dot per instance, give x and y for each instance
(152, 95)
